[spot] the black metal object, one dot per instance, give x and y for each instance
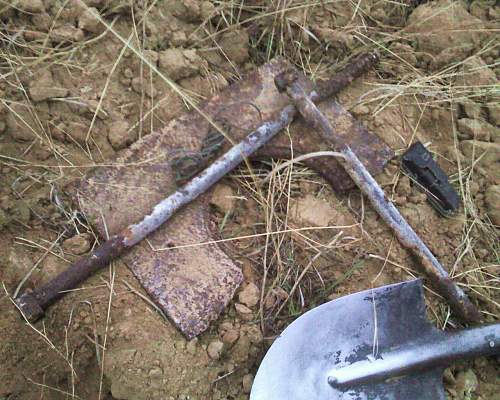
(375, 344)
(418, 163)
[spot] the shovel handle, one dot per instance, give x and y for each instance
(438, 350)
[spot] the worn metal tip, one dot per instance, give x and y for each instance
(29, 307)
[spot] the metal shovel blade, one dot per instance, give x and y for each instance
(345, 331)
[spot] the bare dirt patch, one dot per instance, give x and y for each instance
(83, 80)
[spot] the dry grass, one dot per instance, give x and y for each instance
(290, 260)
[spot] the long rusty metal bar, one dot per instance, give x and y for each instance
(33, 304)
(437, 274)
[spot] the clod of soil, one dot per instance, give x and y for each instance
(443, 24)
(223, 198)
(249, 295)
(78, 244)
(492, 200)
(179, 63)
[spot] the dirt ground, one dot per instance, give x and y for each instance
(76, 90)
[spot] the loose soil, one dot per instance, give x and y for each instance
(74, 94)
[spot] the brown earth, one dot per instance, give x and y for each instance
(73, 96)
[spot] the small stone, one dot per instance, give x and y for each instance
(178, 63)
(128, 73)
(58, 132)
(207, 10)
(120, 135)
(313, 211)
(443, 25)
(155, 372)
(492, 201)
(214, 349)
(139, 85)
(43, 88)
(489, 153)
(191, 346)
(466, 384)
(254, 334)
(77, 132)
(78, 244)
(494, 113)
(223, 198)
(247, 383)
(475, 72)
(471, 109)
(42, 21)
(42, 152)
(250, 295)
(243, 311)
(241, 349)
(178, 38)
(186, 10)
(234, 46)
(93, 107)
(230, 336)
(67, 33)
(405, 51)
(276, 297)
(475, 129)
(401, 200)
(88, 20)
(21, 125)
(30, 6)
(360, 109)
(41, 93)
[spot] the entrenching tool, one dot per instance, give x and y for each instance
(194, 284)
(372, 345)
(288, 81)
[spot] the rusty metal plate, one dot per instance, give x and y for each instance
(371, 150)
(193, 285)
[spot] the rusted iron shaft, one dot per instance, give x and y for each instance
(33, 304)
(437, 274)
(357, 67)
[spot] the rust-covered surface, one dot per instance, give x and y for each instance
(370, 149)
(194, 284)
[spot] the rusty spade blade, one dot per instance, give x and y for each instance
(372, 345)
(194, 284)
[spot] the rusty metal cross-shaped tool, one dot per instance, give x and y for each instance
(194, 284)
